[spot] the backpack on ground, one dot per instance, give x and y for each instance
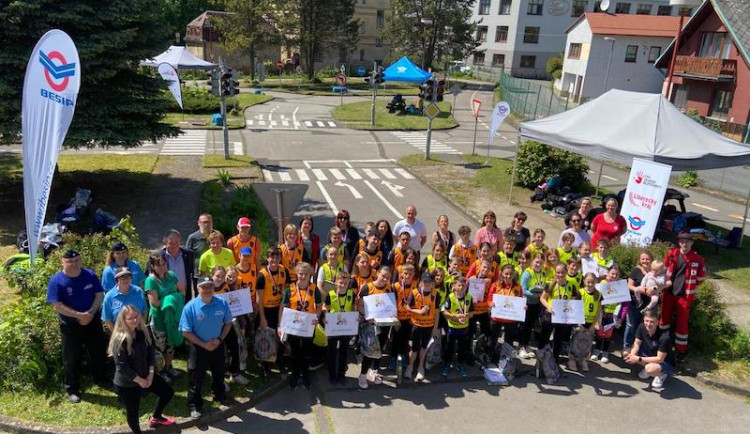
(266, 345)
(507, 359)
(547, 365)
(434, 352)
(581, 343)
(369, 344)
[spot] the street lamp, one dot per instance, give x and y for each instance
(609, 62)
(670, 73)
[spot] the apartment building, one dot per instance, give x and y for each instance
(520, 35)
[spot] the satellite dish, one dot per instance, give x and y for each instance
(604, 6)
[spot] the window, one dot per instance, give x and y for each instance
(501, 34)
(622, 8)
(479, 58)
(378, 42)
(664, 10)
(380, 19)
(362, 28)
(721, 104)
(681, 96)
(579, 7)
(484, 7)
(531, 35)
(361, 55)
(535, 7)
(505, 7)
(574, 51)
(342, 54)
(685, 12)
(498, 59)
(643, 9)
(715, 44)
(653, 54)
(631, 53)
(528, 62)
(482, 33)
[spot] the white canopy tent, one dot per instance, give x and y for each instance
(620, 125)
(179, 58)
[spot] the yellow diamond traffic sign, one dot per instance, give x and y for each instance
(431, 111)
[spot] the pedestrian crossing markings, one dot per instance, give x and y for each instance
(191, 142)
(419, 141)
(305, 175)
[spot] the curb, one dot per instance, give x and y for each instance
(744, 391)
(9, 424)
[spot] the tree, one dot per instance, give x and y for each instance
(431, 31)
(554, 66)
(316, 26)
(178, 13)
(118, 103)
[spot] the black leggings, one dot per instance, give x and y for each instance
(484, 324)
(301, 352)
(233, 348)
(400, 344)
(460, 340)
(532, 313)
(368, 363)
(497, 328)
(131, 399)
(338, 351)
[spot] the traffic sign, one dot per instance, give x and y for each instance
(361, 71)
(340, 79)
(343, 69)
(475, 104)
(455, 89)
(431, 111)
(281, 200)
(279, 65)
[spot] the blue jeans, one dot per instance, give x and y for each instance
(634, 319)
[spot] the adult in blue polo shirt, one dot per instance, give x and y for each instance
(76, 295)
(119, 257)
(205, 323)
(123, 294)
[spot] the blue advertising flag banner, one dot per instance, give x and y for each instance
(169, 74)
(644, 197)
(499, 113)
(50, 90)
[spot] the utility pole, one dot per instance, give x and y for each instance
(374, 91)
(225, 128)
(429, 119)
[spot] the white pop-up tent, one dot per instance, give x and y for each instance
(179, 58)
(620, 125)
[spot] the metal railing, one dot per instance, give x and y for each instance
(531, 99)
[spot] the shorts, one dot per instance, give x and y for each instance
(666, 368)
(420, 337)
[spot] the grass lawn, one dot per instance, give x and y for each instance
(199, 120)
(357, 115)
(218, 161)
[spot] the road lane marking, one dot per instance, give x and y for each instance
(371, 174)
(403, 173)
(320, 124)
(294, 118)
(320, 175)
(354, 174)
(609, 177)
(737, 216)
(705, 207)
(285, 176)
(384, 200)
(395, 188)
(331, 124)
(308, 124)
(337, 174)
(237, 148)
(351, 188)
(267, 175)
(387, 173)
(302, 175)
(327, 197)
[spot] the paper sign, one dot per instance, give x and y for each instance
(477, 289)
(567, 312)
(380, 306)
(614, 292)
(342, 324)
(239, 302)
(588, 265)
(507, 307)
(296, 323)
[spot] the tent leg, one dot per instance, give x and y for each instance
(744, 218)
(599, 178)
(513, 173)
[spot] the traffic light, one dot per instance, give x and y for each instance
(213, 81)
(378, 78)
(229, 83)
(440, 90)
(425, 90)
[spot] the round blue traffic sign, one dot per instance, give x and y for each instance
(361, 71)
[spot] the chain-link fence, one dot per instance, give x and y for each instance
(532, 99)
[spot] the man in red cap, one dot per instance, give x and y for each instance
(687, 270)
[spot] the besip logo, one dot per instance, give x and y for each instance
(636, 223)
(57, 76)
(502, 110)
(638, 177)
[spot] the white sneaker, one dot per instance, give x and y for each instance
(362, 381)
(605, 357)
(420, 375)
(658, 382)
(643, 375)
(374, 377)
(594, 355)
(408, 372)
(239, 379)
(524, 353)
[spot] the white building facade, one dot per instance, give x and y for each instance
(520, 35)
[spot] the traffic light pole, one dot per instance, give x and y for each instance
(374, 92)
(224, 127)
(429, 121)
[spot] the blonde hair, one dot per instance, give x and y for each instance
(289, 229)
(214, 236)
(304, 267)
(122, 333)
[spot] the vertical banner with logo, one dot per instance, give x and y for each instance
(643, 200)
(50, 89)
(499, 113)
(169, 75)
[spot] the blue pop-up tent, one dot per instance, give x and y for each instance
(405, 70)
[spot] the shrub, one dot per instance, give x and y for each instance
(538, 162)
(626, 257)
(196, 100)
(689, 179)
(554, 64)
(326, 73)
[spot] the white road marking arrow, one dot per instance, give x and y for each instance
(351, 188)
(395, 188)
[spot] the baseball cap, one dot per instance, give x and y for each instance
(684, 236)
(70, 254)
(118, 247)
(205, 282)
(244, 221)
(426, 278)
(246, 251)
(122, 271)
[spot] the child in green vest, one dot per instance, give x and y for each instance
(457, 310)
(341, 299)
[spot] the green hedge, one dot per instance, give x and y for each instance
(536, 163)
(198, 100)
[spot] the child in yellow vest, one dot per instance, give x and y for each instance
(424, 323)
(403, 289)
(340, 299)
(457, 310)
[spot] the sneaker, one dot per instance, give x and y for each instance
(446, 370)
(572, 365)
(239, 379)
(315, 366)
(584, 365)
(408, 372)
(172, 372)
(605, 357)
(195, 414)
(420, 375)
(74, 398)
(362, 382)
(643, 375)
(594, 355)
(162, 421)
(658, 382)
(462, 371)
(377, 378)
(524, 353)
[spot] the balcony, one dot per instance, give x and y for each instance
(705, 68)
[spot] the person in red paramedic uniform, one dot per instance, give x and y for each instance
(687, 270)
